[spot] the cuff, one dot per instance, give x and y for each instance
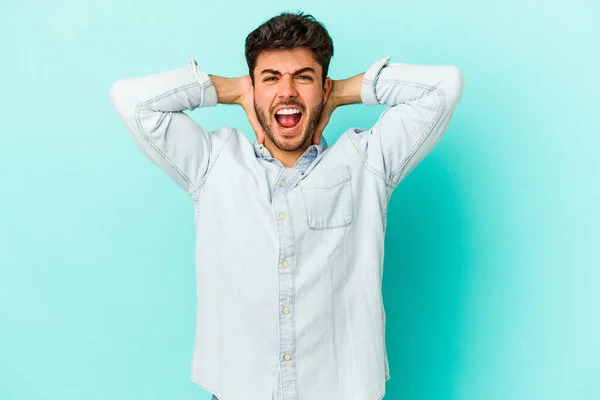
(367, 90)
(209, 92)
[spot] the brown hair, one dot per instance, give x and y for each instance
(288, 31)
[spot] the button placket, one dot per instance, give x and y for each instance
(286, 286)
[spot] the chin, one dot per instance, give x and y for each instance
(289, 142)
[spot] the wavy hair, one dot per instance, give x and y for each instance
(288, 31)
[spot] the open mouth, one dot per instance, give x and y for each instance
(288, 120)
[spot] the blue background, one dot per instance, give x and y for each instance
(492, 279)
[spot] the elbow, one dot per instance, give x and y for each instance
(121, 98)
(116, 93)
(454, 84)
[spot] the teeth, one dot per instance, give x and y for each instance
(288, 111)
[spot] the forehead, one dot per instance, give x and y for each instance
(286, 61)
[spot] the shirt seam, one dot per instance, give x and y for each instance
(394, 174)
(196, 186)
(146, 136)
(366, 166)
(428, 129)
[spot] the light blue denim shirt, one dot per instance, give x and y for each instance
(289, 261)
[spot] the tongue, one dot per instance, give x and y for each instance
(288, 121)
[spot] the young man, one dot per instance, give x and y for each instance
(290, 231)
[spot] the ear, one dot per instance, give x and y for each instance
(327, 89)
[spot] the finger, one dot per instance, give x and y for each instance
(258, 131)
(260, 136)
(319, 130)
(316, 137)
(256, 126)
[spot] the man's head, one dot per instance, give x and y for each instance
(288, 58)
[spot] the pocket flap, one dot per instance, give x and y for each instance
(328, 198)
(326, 178)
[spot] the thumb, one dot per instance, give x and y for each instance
(258, 130)
(255, 123)
(260, 136)
(319, 129)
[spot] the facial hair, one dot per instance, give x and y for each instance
(305, 137)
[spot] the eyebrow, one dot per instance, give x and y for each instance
(301, 70)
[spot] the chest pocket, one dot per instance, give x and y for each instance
(328, 198)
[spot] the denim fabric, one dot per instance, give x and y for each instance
(289, 261)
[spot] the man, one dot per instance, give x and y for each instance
(290, 231)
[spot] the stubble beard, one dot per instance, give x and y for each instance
(289, 145)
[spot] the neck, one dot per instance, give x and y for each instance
(287, 158)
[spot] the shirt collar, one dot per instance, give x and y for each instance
(262, 152)
(312, 153)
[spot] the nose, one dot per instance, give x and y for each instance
(287, 88)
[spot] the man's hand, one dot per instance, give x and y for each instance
(246, 100)
(239, 91)
(343, 92)
(326, 112)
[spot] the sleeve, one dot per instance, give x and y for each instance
(152, 109)
(421, 100)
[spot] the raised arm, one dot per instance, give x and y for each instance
(152, 109)
(239, 91)
(421, 100)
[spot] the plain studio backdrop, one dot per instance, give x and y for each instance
(491, 274)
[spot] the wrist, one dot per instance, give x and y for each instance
(228, 89)
(347, 91)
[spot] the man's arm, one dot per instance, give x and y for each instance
(347, 91)
(239, 91)
(152, 109)
(228, 89)
(422, 99)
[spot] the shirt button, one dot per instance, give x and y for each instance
(285, 264)
(286, 310)
(262, 151)
(282, 182)
(287, 357)
(282, 216)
